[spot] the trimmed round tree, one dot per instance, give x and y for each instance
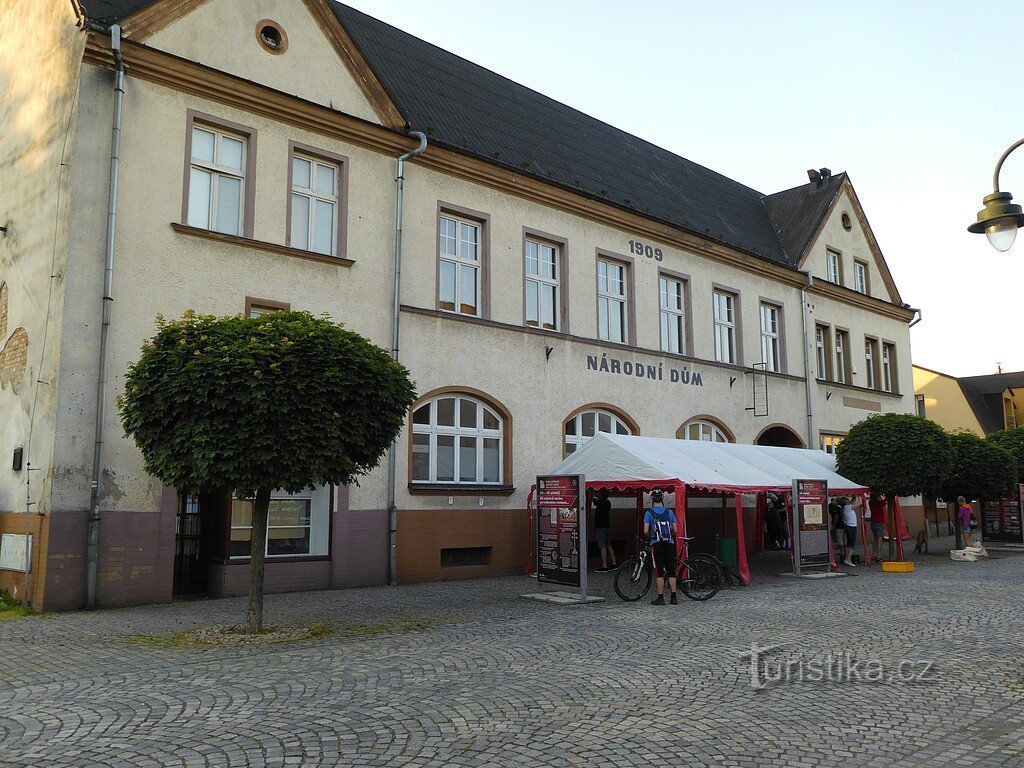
(251, 405)
(978, 469)
(897, 454)
(1012, 440)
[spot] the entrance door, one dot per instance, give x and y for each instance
(191, 549)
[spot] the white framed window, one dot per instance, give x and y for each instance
(704, 430)
(841, 361)
(834, 273)
(298, 524)
(611, 301)
(860, 276)
(217, 180)
(829, 442)
(672, 299)
(459, 270)
(315, 195)
(543, 285)
(584, 425)
(457, 439)
(869, 363)
(771, 351)
(821, 352)
(888, 382)
(725, 327)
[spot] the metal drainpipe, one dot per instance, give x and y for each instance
(92, 552)
(807, 357)
(395, 313)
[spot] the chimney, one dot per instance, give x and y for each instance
(826, 173)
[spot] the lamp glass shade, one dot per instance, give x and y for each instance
(1001, 233)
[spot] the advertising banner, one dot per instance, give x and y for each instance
(811, 534)
(562, 530)
(1001, 520)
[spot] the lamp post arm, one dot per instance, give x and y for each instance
(999, 165)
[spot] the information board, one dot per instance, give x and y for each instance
(15, 551)
(562, 531)
(1001, 520)
(811, 537)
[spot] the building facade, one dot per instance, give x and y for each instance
(559, 278)
(979, 404)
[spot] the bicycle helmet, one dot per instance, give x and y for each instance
(657, 495)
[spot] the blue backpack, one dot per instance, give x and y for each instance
(661, 527)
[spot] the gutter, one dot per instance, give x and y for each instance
(92, 549)
(395, 315)
(917, 312)
(807, 355)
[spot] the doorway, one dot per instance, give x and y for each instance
(191, 549)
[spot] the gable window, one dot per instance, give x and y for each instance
(821, 352)
(860, 276)
(834, 273)
(888, 361)
(828, 442)
(612, 298)
(726, 348)
(703, 429)
(459, 278)
(543, 284)
(219, 176)
(771, 349)
(581, 427)
(316, 202)
(457, 439)
(842, 359)
(870, 361)
(672, 300)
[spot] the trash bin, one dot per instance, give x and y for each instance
(727, 552)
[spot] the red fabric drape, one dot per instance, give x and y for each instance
(741, 546)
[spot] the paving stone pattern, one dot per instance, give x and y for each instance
(470, 674)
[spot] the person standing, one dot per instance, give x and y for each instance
(773, 520)
(660, 528)
(877, 507)
(850, 524)
(964, 515)
(602, 530)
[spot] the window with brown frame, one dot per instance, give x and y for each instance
(317, 200)
(220, 175)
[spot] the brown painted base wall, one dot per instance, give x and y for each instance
(422, 534)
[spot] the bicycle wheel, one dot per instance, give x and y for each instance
(704, 578)
(632, 580)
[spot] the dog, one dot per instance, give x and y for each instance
(922, 542)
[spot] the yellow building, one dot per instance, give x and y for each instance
(979, 404)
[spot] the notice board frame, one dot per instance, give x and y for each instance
(562, 524)
(810, 521)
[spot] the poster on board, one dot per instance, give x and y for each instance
(811, 534)
(561, 530)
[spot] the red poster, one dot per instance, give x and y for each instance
(562, 491)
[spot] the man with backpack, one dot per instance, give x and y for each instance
(660, 527)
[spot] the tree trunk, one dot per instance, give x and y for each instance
(890, 510)
(254, 613)
(959, 535)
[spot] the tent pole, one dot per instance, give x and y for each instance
(864, 529)
(741, 547)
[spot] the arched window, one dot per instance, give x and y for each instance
(704, 429)
(586, 423)
(457, 438)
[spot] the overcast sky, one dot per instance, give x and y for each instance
(902, 96)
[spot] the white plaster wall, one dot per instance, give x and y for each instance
(40, 52)
(222, 34)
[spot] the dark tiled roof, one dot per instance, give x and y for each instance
(796, 213)
(985, 396)
(471, 110)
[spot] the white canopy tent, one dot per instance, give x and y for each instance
(625, 463)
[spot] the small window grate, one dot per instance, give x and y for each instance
(461, 557)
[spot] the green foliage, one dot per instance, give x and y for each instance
(284, 400)
(978, 469)
(1012, 440)
(899, 454)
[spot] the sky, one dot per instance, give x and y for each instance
(905, 97)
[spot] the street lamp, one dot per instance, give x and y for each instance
(1000, 218)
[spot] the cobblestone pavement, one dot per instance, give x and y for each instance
(470, 674)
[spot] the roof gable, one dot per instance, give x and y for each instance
(799, 213)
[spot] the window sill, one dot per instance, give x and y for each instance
(460, 489)
(855, 388)
(259, 245)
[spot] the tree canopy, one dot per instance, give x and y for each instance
(1012, 440)
(284, 400)
(978, 469)
(896, 453)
